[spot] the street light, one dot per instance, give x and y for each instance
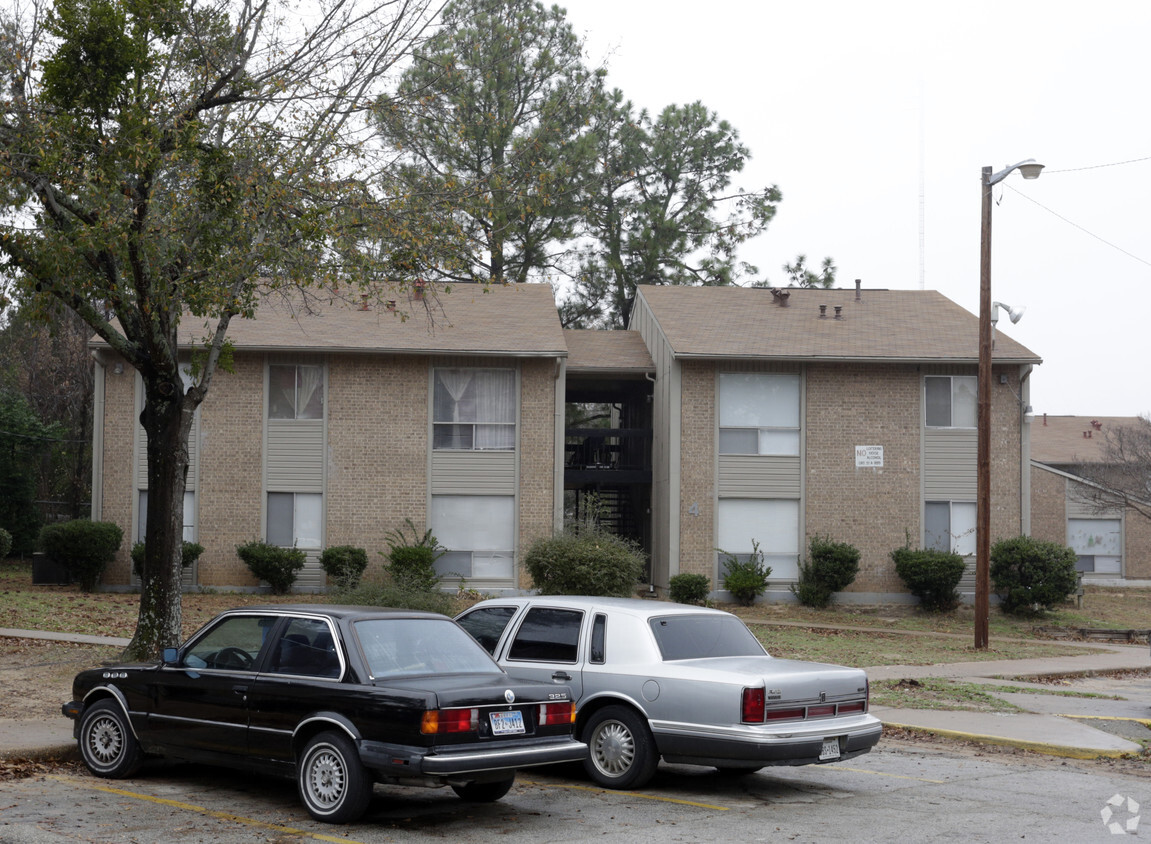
(1030, 170)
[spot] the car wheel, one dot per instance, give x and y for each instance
(334, 786)
(484, 792)
(621, 750)
(107, 744)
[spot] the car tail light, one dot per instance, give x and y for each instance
(439, 721)
(557, 713)
(821, 711)
(753, 705)
(786, 714)
(856, 706)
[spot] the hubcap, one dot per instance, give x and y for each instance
(613, 749)
(326, 778)
(105, 741)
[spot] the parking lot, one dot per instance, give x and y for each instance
(903, 789)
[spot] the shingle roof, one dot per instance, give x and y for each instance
(591, 350)
(882, 325)
(518, 320)
(1073, 439)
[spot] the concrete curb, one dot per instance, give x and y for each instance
(1045, 748)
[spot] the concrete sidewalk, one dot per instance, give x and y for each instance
(1056, 725)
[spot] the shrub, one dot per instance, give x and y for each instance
(746, 579)
(5, 543)
(344, 564)
(83, 547)
(412, 561)
(830, 568)
(585, 561)
(189, 553)
(274, 565)
(392, 594)
(690, 588)
(1032, 575)
(931, 576)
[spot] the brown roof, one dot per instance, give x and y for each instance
(518, 320)
(1073, 439)
(592, 350)
(881, 325)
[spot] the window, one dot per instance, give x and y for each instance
(234, 644)
(1099, 544)
(295, 391)
(486, 625)
(409, 647)
(474, 409)
(950, 401)
(703, 637)
(295, 519)
(307, 649)
(949, 526)
(598, 655)
(189, 534)
(758, 413)
(479, 533)
(548, 635)
(773, 523)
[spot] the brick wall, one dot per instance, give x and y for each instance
(697, 470)
(537, 457)
(118, 487)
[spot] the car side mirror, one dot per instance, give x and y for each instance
(170, 656)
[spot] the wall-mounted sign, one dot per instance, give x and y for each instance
(869, 457)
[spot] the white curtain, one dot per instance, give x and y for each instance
(311, 378)
(456, 382)
(495, 406)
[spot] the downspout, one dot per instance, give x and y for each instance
(97, 507)
(560, 437)
(1025, 450)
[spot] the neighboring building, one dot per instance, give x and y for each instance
(724, 415)
(1113, 544)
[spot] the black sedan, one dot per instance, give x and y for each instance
(337, 697)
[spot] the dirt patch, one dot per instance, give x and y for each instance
(36, 676)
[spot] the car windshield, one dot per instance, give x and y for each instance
(703, 636)
(400, 647)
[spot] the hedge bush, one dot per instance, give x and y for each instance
(272, 564)
(586, 561)
(5, 543)
(689, 588)
(83, 547)
(1032, 575)
(412, 560)
(189, 553)
(831, 567)
(931, 576)
(746, 579)
(344, 565)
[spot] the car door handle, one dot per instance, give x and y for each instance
(241, 690)
(561, 676)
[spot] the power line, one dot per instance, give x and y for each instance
(1098, 166)
(1076, 225)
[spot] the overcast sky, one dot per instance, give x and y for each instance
(865, 113)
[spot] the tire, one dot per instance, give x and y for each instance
(107, 743)
(621, 750)
(484, 792)
(334, 786)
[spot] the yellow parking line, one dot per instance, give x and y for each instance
(881, 774)
(626, 794)
(1146, 722)
(190, 807)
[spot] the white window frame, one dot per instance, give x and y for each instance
(759, 407)
(772, 522)
(961, 517)
(1085, 536)
(307, 517)
(450, 385)
(962, 395)
(478, 533)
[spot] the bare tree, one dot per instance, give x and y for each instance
(1122, 478)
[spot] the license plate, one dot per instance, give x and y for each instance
(830, 749)
(510, 723)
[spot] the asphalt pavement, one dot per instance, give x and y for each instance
(1055, 725)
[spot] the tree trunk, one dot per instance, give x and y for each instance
(167, 421)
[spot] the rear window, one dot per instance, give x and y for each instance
(703, 636)
(402, 647)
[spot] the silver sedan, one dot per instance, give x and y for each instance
(689, 684)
